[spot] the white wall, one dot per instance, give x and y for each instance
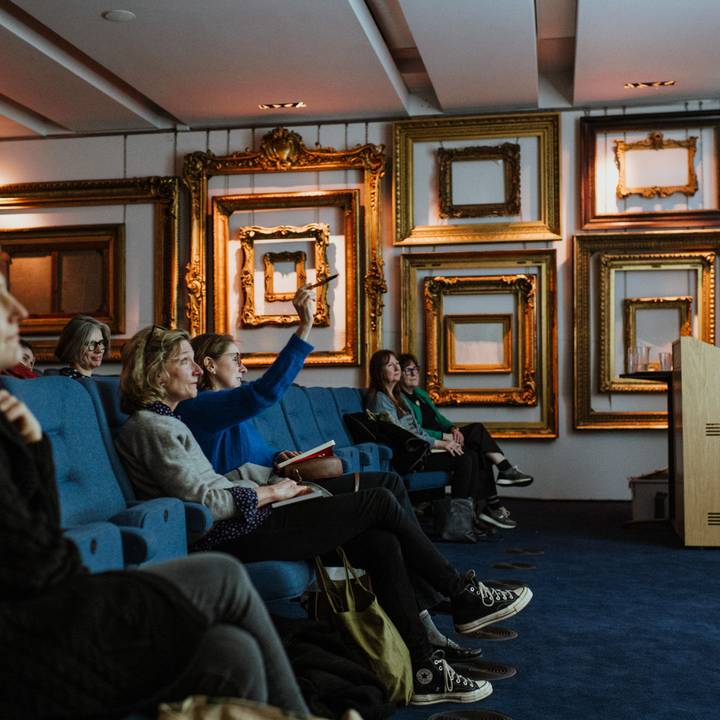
(578, 465)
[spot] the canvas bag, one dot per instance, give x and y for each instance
(357, 614)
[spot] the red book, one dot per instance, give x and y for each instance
(319, 451)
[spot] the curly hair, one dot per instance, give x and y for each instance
(74, 338)
(209, 345)
(144, 360)
(378, 361)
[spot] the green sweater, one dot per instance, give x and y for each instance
(421, 396)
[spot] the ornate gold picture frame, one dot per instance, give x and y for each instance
(504, 343)
(601, 134)
(417, 223)
(320, 235)
(348, 204)
(593, 409)
(281, 151)
(700, 264)
(160, 192)
(507, 153)
(270, 262)
(508, 421)
(523, 289)
(655, 142)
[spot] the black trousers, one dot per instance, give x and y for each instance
(377, 534)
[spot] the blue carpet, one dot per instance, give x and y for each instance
(624, 623)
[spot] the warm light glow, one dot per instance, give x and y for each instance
(649, 84)
(282, 106)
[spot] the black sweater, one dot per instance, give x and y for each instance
(75, 645)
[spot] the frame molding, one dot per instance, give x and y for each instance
(269, 260)
(282, 150)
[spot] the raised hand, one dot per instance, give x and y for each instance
(304, 304)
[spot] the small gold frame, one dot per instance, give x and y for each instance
(631, 306)
(680, 245)
(108, 240)
(508, 153)
(545, 127)
(282, 150)
(700, 263)
(248, 235)
(657, 142)
(161, 192)
(452, 366)
(270, 259)
(348, 202)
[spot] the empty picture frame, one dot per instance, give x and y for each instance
(478, 343)
(319, 235)
(649, 170)
(522, 288)
(504, 420)
(162, 193)
(271, 260)
(425, 150)
(613, 351)
(692, 252)
(347, 203)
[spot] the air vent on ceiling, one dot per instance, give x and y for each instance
(712, 429)
(714, 518)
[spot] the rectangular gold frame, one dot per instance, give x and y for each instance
(700, 263)
(348, 201)
(657, 142)
(269, 261)
(282, 150)
(523, 287)
(248, 235)
(452, 367)
(544, 126)
(509, 153)
(109, 239)
(631, 306)
(585, 247)
(546, 370)
(161, 192)
(591, 126)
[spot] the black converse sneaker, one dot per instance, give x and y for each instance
(434, 681)
(479, 605)
(459, 653)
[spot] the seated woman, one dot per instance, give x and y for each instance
(470, 477)
(163, 458)
(473, 437)
(82, 345)
(24, 370)
(75, 645)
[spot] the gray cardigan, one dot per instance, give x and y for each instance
(381, 404)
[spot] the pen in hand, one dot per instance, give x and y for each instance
(322, 282)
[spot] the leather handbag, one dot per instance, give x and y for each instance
(314, 469)
(454, 519)
(358, 616)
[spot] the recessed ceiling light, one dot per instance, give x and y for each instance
(649, 84)
(120, 16)
(282, 106)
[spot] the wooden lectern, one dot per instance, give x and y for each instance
(696, 441)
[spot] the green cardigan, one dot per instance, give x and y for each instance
(423, 397)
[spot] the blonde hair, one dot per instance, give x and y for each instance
(144, 360)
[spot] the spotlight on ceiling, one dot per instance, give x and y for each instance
(649, 84)
(282, 106)
(119, 16)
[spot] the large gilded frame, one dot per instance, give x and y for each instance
(523, 288)
(543, 126)
(543, 262)
(282, 150)
(452, 366)
(702, 264)
(685, 247)
(248, 235)
(592, 126)
(348, 201)
(161, 192)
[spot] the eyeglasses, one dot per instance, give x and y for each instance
(236, 357)
(95, 345)
(149, 340)
(411, 370)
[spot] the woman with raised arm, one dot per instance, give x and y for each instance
(162, 457)
(472, 436)
(75, 645)
(82, 345)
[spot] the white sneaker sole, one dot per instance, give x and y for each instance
(484, 689)
(494, 521)
(505, 482)
(523, 599)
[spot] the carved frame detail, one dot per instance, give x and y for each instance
(452, 366)
(269, 261)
